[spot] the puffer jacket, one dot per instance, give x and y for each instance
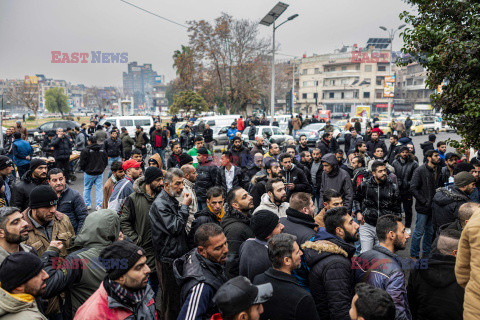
(19, 307)
(23, 188)
(257, 187)
(168, 220)
(423, 185)
(187, 140)
(296, 176)
(404, 171)
(71, 203)
(101, 306)
(373, 145)
(384, 271)
(445, 205)
(207, 175)
(135, 221)
(236, 226)
(427, 145)
(331, 277)
(81, 272)
(113, 148)
(241, 157)
(21, 149)
(199, 279)
(266, 204)
(338, 179)
(374, 200)
(62, 147)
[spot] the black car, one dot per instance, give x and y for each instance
(38, 134)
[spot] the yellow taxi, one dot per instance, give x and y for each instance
(383, 125)
(179, 127)
(417, 127)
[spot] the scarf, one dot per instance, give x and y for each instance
(122, 295)
(218, 216)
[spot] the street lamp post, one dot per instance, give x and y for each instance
(391, 34)
(268, 20)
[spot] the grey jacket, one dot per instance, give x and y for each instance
(12, 308)
(266, 204)
(339, 180)
(23, 247)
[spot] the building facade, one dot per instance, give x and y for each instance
(411, 93)
(139, 82)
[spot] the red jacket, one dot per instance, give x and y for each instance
(216, 316)
(240, 124)
(97, 308)
(378, 130)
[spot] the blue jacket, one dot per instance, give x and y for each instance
(231, 133)
(71, 203)
(21, 149)
(381, 268)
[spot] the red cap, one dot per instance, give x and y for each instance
(130, 164)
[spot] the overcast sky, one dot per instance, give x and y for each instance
(31, 29)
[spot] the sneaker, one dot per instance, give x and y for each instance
(409, 231)
(89, 207)
(98, 208)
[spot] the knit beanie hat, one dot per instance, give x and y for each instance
(152, 173)
(119, 257)
(35, 163)
(263, 223)
(184, 159)
(43, 196)
(18, 268)
(462, 167)
(463, 179)
(5, 162)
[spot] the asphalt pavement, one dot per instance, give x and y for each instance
(417, 140)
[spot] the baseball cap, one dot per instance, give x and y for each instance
(239, 294)
(130, 164)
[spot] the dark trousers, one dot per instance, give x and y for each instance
(63, 164)
(170, 291)
(407, 202)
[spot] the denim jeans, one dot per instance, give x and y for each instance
(110, 161)
(161, 152)
(423, 227)
(88, 182)
(368, 237)
(316, 197)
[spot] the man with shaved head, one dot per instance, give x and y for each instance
(189, 178)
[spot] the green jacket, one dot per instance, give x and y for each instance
(127, 142)
(18, 307)
(135, 220)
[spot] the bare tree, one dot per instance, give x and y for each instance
(25, 94)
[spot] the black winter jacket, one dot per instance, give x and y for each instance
(289, 300)
(172, 162)
(423, 185)
(187, 140)
(93, 160)
(208, 135)
(338, 179)
(374, 200)
(207, 175)
(221, 180)
(299, 224)
(168, 220)
(445, 205)
(114, 148)
(427, 145)
(257, 187)
(296, 176)
(331, 276)
(253, 258)
(71, 203)
(236, 226)
(162, 139)
(22, 190)
(404, 171)
(241, 157)
(62, 147)
(325, 148)
(433, 292)
(201, 217)
(373, 145)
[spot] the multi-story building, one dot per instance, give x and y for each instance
(138, 82)
(341, 80)
(411, 93)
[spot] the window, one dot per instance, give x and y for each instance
(366, 95)
(381, 68)
(305, 84)
(142, 122)
(368, 68)
(379, 81)
(357, 67)
(304, 96)
(47, 126)
(343, 95)
(317, 71)
(315, 95)
(304, 71)
(332, 69)
(267, 132)
(316, 83)
(331, 95)
(126, 123)
(332, 82)
(378, 95)
(344, 68)
(344, 81)
(211, 123)
(277, 131)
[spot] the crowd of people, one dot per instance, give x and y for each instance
(255, 231)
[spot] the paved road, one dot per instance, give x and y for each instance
(442, 136)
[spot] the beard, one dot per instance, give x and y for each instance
(350, 238)
(36, 292)
(14, 238)
(398, 245)
(134, 286)
(279, 200)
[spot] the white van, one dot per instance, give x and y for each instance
(220, 120)
(130, 122)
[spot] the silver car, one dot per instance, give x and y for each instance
(220, 137)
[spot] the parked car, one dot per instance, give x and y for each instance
(130, 122)
(38, 133)
(220, 137)
(315, 131)
(431, 124)
(417, 127)
(383, 125)
(270, 133)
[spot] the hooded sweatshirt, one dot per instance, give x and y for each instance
(338, 179)
(18, 307)
(267, 204)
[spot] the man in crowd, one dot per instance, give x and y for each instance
(141, 140)
(125, 292)
(371, 303)
(388, 273)
(201, 272)
(433, 292)
(442, 150)
(289, 298)
(258, 147)
(21, 129)
(114, 148)
(22, 154)
(329, 256)
(275, 198)
(273, 152)
(232, 131)
(361, 150)
(446, 202)
(316, 170)
(127, 142)
(8, 142)
(271, 170)
(194, 151)
(189, 178)
(254, 251)
(333, 177)
(425, 180)
(302, 145)
(117, 175)
(168, 220)
(70, 202)
(80, 139)
(35, 176)
(451, 161)
(295, 179)
(124, 187)
(135, 220)
(159, 141)
(91, 128)
(373, 144)
(354, 139)
(212, 213)
(252, 169)
(186, 139)
(22, 279)
(100, 134)
(208, 138)
(404, 165)
(236, 224)
(93, 161)
(299, 220)
(13, 232)
(47, 149)
(207, 175)
(240, 154)
(375, 197)
(62, 145)
(326, 145)
(6, 169)
(392, 149)
(174, 159)
(331, 199)
(428, 145)
(228, 175)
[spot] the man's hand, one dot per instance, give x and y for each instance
(360, 218)
(187, 199)
(121, 236)
(143, 147)
(290, 186)
(27, 157)
(57, 244)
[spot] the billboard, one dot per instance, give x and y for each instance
(362, 111)
(31, 80)
(389, 87)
